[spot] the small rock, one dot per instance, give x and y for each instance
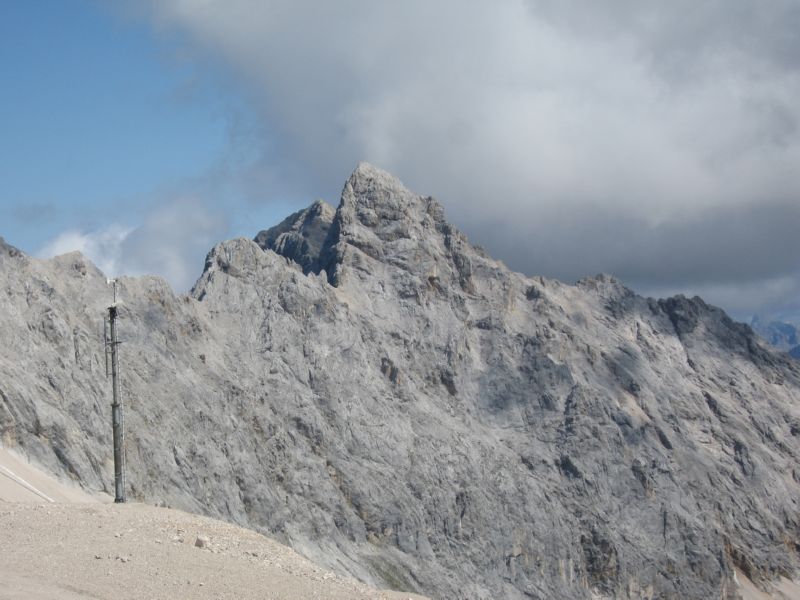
(202, 541)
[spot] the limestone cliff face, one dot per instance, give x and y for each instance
(372, 389)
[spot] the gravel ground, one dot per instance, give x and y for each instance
(99, 551)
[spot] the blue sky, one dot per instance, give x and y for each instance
(658, 142)
(91, 118)
(102, 120)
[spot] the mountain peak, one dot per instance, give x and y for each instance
(366, 170)
(378, 219)
(306, 236)
(368, 182)
(300, 236)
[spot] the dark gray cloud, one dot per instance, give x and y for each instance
(722, 244)
(744, 258)
(657, 141)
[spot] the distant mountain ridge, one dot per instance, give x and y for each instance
(784, 336)
(367, 386)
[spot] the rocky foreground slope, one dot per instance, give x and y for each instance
(370, 388)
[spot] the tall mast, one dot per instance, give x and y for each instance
(117, 421)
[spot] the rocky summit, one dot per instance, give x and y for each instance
(368, 387)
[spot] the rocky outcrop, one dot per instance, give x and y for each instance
(8, 249)
(397, 405)
(300, 236)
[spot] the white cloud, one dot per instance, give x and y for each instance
(554, 104)
(103, 247)
(171, 242)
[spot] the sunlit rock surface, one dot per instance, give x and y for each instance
(370, 388)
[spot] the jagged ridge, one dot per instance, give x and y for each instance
(420, 416)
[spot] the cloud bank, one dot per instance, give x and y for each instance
(170, 242)
(102, 247)
(656, 141)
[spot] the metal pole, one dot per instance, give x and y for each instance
(116, 411)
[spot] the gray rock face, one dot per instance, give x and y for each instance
(300, 236)
(8, 249)
(399, 406)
